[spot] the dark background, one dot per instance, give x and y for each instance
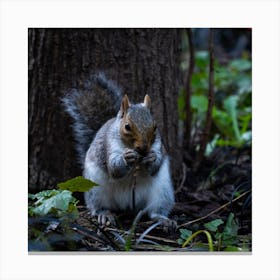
(141, 61)
(184, 71)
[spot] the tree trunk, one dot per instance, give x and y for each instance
(142, 61)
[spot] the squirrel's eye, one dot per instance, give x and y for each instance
(127, 127)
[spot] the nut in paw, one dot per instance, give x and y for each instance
(130, 156)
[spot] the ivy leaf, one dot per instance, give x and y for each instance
(213, 225)
(185, 234)
(31, 196)
(78, 184)
(41, 196)
(231, 225)
(60, 201)
(229, 235)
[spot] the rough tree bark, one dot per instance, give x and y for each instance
(142, 61)
(188, 112)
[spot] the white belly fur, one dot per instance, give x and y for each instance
(150, 191)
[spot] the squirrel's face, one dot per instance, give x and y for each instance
(138, 127)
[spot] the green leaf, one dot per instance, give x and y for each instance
(241, 65)
(213, 225)
(199, 103)
(233, 143)
(45, 194)
(199, 83)
(41, 196)
(59, 201)
(229, 235)
(31, 196)
(212, 145)
(231, 227)
(245, 121)
(244, 84)
(201, 59)
(185, 233)
(232, 249)
(180, 241)
(223, 121)
(247, 136)
(78, 184)
(230, 105)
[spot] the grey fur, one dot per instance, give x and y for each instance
(90, 106)
(109, 162)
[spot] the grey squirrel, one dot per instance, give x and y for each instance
(118, 142)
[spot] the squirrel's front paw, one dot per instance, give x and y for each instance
(150, 158)
(130, 156)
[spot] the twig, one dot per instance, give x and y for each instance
(111, 241)
(208, 122)
(188, 113)
(183, 178)
(152, 237)
(147, 241)
(214, 211)
(147, 231)
(166, 240)
(92, 236)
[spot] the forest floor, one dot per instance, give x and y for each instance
(221, 186)
(218, 190)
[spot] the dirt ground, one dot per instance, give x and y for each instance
(222, 185)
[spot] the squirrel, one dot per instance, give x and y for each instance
(120, 149)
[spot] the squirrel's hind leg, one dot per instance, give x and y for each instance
(99, 207)
(168, 225)
(161, 198)
(106, 218)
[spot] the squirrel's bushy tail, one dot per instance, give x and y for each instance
(90, 106)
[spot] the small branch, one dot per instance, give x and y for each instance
(152, 237)
(188, 113)
(183, 178)
(147, 231)
(214, 211)
(208, 121)
(90, 236)
(111, 241)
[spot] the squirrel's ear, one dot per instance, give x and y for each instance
(147, 101)
(125, 105)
